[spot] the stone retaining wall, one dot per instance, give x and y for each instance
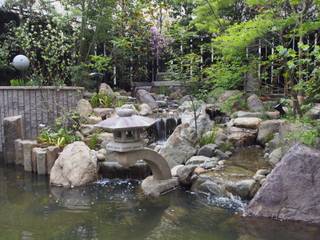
(37, 105)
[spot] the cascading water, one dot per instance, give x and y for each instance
(163, 128)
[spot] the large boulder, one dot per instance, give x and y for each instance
(143, 96)
(248, 122)
(291, 190)
(267, 129)
(271, 115)
(76, 166)
(242, 137)
(84, 108)
(145, 109)
(105, 89)
(255, 104)
(180, 146)
(207, 150)
(245, 189)
(314, 112)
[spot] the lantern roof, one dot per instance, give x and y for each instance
(126, 119)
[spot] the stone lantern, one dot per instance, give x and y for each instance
(126, 129)
(127, 148)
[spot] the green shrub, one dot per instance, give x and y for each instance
(101, 100)
(93, 141)
(234, 103)
(17, 82)
(308, 137)
(60, 138)
(209, 137)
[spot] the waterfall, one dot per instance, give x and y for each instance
(163, 128)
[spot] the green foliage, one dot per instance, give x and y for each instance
(236, 101)
(49, 44)
(101, 100)
(226, 74)
(94, 141)
(307, 137)
(209, 137)
(63, 131)
(17, 82)
(60, 137)
(99, 63)
(4, 53)
(187, 70)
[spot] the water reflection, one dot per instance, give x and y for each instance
(117, 210)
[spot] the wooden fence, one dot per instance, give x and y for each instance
(37, 105)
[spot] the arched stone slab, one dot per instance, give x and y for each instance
(159, 166)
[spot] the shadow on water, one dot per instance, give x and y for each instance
(116, 209)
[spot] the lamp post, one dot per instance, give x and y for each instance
(127, 148)
(21, 63)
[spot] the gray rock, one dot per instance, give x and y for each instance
(84, 108)
(198, 160)
(241, 137)
(291, 190)
(162, 103)
(40, 155)
(174, 170)
(275, 156)
(180, 146)
(103, 112)
(76, 166)
(245, 189)
(209, 164)
(221, 155)
(267, 129)
(101, 154)
(129, 106)
(144, 96)
(87, 129)
(271, 115)
(27, 146)
(221, 138)
(206, 186)
(145, 109)
(254, 103)
(12, 130)
(251, 123)
(18, 152)
(185, 175)
(154, 188)
(264, 172)
(94, 119)
(105, 89)
(52, 156)
(207, 150)
(314, 112)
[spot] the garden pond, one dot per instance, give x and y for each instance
(116, 209)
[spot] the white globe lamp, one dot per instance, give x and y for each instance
(21, 62)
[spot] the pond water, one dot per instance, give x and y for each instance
(115, 209)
